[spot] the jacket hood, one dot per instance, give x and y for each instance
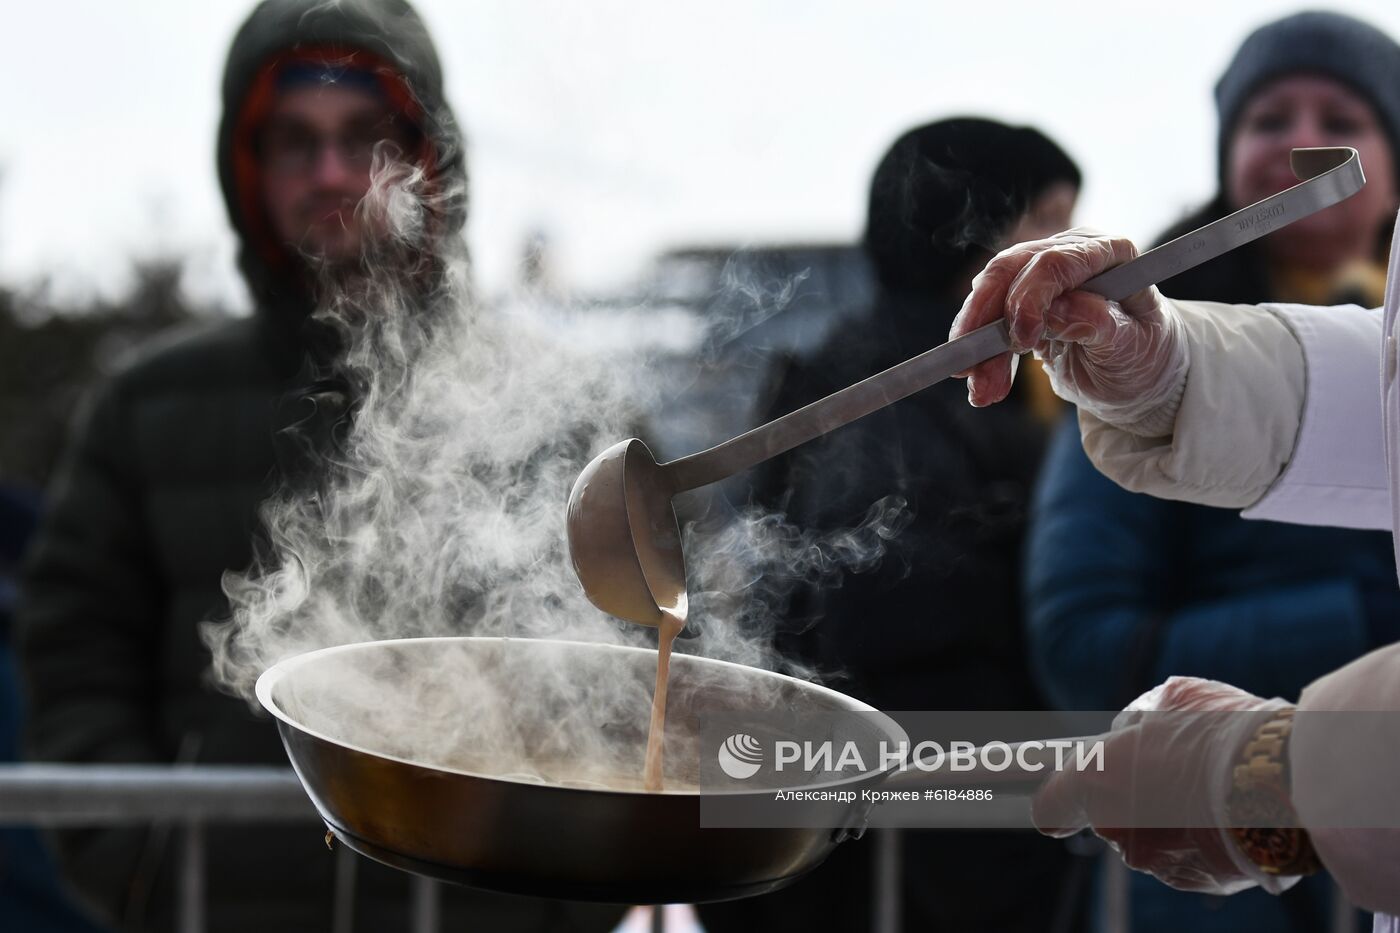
(386, 37)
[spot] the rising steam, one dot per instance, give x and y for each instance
(437, 504)
(437, 508)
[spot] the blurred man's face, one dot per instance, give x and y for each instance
(317, 149)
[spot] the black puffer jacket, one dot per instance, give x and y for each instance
(156, 498)
(935, 626)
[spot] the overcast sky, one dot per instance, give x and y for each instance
(620, 128)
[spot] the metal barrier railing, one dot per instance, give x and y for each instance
(189, 796)
(193, 796)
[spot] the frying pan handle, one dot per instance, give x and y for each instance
(1030, 765)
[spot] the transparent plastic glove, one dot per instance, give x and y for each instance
(1122, 362)
(1181, 765)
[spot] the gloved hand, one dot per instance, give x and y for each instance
(1179, 766)
(1119, 361)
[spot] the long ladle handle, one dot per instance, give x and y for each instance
(1328, 176)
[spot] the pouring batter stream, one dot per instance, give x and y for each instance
(673, 620)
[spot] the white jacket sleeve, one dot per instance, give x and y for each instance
(1236, 421)
(1339, 772)
(1336, 472)
(1281, 413)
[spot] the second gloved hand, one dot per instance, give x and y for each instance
(1160, 800)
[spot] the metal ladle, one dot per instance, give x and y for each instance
(623, 536)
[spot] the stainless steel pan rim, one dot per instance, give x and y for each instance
(268, 681)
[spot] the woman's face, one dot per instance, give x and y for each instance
(1299, 112)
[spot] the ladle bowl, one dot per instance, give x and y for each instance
(623, 535)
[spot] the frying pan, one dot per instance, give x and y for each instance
(425, 754)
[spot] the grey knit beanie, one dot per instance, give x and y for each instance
(1339, 47)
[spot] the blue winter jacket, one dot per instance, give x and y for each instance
(1125, 590)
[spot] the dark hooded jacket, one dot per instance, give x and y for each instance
(157, 497)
